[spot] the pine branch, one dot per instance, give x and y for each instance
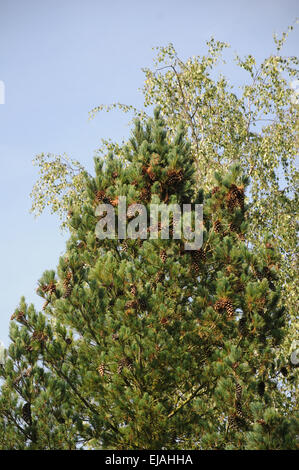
(193, 395)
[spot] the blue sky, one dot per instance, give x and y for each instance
(58, 60)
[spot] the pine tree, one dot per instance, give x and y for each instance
(143, 344)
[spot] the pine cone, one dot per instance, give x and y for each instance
(232, 227)
(52, 287)
(100, 196)
(239, 285)
(239, 411)
(235, 422)
(198, 255)
(159, 276)
(39, 336)
(257, 274)
(163, 256)
(217, 226)
(145, 194)
(241, 196)
(232, 422)
(125, 246)
(235, 197)
(133, 290)
(195, 268)
(239, 391)
(26, 414)
(150, 173)
(101, 369)
(68, 291)
(20, 317)
(124, 362)
(220, 305)
(131, 304)
(128, 363)
(242, 327)
(142, 303)
(224, 304)
(174, 176)
(229, 308)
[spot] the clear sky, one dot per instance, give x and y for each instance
(61, 58)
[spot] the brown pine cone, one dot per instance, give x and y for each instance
(174, 176)
(101, 369)
(133, 290)
(239, 391)
(217, 226)
(163, 256)
(198, 255)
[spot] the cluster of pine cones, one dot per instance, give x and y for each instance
(235, 197)
(124, 362)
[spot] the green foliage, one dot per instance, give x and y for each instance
(60, 185)
(255, 125)
(142, 344)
